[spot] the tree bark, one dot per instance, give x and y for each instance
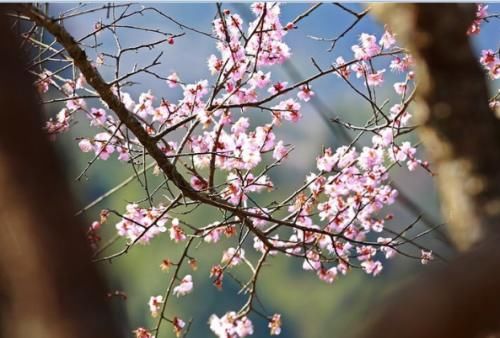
(48, 285)
(458, 128)
(462, 135)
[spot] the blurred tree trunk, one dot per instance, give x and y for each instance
(48, 285)
(459, 130)
(462, 136)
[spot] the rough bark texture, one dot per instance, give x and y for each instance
(459, 130)
(48, 285)
(462, 136)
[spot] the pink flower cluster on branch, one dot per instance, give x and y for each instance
(215, 152)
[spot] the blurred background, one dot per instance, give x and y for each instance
(309, 307)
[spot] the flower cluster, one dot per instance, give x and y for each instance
(141, 225)
(185, 286)
(58, 125)
(491, 63)
(335, 222)
(481, 14)
(275, 325)
(364, 52)
(347, 194)
(143, 333)
(155, 305)
(231, 326)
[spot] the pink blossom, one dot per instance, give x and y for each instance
(259, 223)
(145, 105)
(372, 267)
(368, 48)
(277, 87)
(123, 153)
(400, 87)
(258, 245)
(359, 53)
(76, 104)
(264, 137)
(280, 151)
(196, 91)
(173, 80)
(69, 87)
(240, 126)
(327, 275)
(371, 157)
(244, 327)
(103, 146)
(488, 57)
(233, 256)
(259, 79)
(401, 119)
(491, 63)
(214, 234)
(97, 117)
(275, 325)
(405, 151)
(80, 81)
(342, 267)
(365, 252)
(312, 261)
(342, 69)
(257, 7)
(481, 13)
(401, 64)
(389, 252)
(327, 161)
(375, 79)
(176, 232)
(215, 64)
(234, 23)
(85, 145)
(388, 39)
(178, 324)
(198, 184)
(412, 164)
(155, 305)
(369, 43)
(230, 327)
(289, 109)
(384, 138)
(141, 225)
(305, 93)
(360, 68)
(426, 256)
(185, 287)
(44, 82)
(126, 99)
(142, 333)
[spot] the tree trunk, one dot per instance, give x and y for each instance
(459, 130)
(48, 285)
(462, 135)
